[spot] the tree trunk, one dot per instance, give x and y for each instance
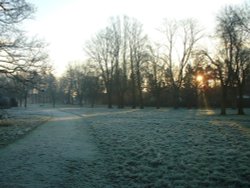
(20, 102)
(120, 95)
(54, 101)
(157, 98)
(133, 91)
(80, 100)
(68, 98)
(139, 85)
(121, 99)
(109, 92)
(123, 88)
(25, 100)
(223, 99)
(110, 100)
(141, 99)
(140, 91)
(240, 100)
(133, 98)
(176, 97)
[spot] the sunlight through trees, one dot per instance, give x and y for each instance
(125, 67)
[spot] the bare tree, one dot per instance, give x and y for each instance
(51, 81)
(124, 67)
(78, 80)
(118, 51)
(242, 52)
(156, 74)
(110, 49)
(27, 56)
(232, 59)
(16, 52)
(138, 55)
(14, 11)
(121, 50)
(21, 58)
(64, 89)
(181, 39)
(67, 85)
(100, 50)
(221, 67)
(242, 72)
(80, 83)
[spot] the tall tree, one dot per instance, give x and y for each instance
(100, 50)
(138, 55)
(156, 75)
(242, 56)
(52, 88)
(21, 58)
(68, 83)
(181, 40)
(190, 86)
(119, 50)
(232, 59)
(116, 50)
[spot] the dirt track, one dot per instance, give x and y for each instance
(56, 154)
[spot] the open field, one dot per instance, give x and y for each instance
(129, 148)
(171, 148)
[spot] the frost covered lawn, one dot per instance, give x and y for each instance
(20, 121)
(171, 148)
(151, 148)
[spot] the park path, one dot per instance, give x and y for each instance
(59, 153)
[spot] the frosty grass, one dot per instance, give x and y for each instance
(170, 148)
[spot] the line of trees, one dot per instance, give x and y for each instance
(126, 68)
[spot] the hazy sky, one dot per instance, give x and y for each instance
(67, 24)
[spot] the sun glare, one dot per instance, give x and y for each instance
(199, 78)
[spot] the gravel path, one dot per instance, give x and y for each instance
(57, 154)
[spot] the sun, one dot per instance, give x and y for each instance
(199, 78)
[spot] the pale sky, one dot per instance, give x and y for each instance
(67, 24)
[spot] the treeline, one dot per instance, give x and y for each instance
(125, 68)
